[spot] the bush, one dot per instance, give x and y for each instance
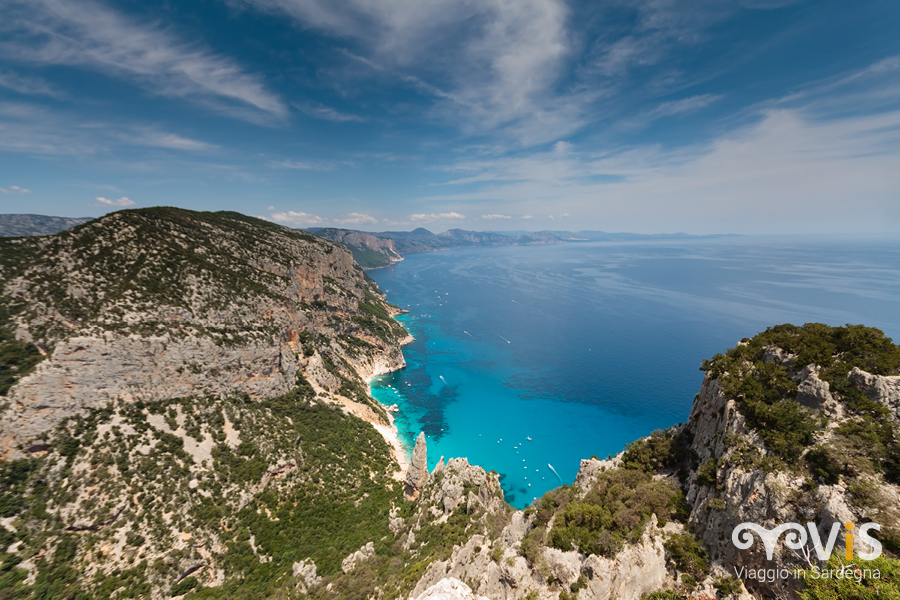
(856, 586)
(613, 511)
(728, 585)
(184, 586)
(706, 474)
(688, 555)
(664, 595)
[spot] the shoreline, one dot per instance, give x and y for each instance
(391, 435)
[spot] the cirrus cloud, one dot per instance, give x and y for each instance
(93, 36)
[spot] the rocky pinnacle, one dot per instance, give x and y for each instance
(418, 468)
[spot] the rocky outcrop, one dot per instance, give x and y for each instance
(492, 562)
(305, 574)
(637, 570)
(742, 492)
(418, 468)
(449, 589)
(881, 388)
(364, 553)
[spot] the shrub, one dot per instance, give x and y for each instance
(664, 595)
(184, 586)
(728, 585)
(613, 511)
(688, 555)
(706, 474)
(856, 586)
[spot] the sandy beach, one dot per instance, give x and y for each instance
(392, 436)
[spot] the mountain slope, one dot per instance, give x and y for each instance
(162, 303)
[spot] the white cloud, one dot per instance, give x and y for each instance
(28, 85)
(494, 217)
(356, 218)
(33, 129)
(120, 202)
(14, 189)
(163, 139)
(684, 106)
(527, 217)
(91, 35)
(297, 219)
(787, 173)
(303, 165)
(496, 61)
(391, 222)
(428, 218)
(327, 113)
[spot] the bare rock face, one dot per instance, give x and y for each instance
(418, 469)
(364, 553)
(812, 391)
(305, 574)
(744, 493)
(449, 589)
(881, 388)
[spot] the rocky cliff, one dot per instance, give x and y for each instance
(164, 303)
(789, 428)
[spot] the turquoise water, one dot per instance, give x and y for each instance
(585, 347)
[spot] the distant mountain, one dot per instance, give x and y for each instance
(373, 250)
(29, 225)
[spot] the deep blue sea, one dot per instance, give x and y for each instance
(531, 356)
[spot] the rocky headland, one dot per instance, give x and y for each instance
(185, 414)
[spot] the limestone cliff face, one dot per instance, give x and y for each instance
(361, 240)
(417, 473)
(164, 303)
(745, 480)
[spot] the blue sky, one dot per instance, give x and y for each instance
(743, 116)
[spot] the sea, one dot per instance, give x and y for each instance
(528, 359)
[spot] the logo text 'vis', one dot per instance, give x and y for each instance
(795, 537)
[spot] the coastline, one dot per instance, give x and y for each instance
(392, 437)
(390, 433)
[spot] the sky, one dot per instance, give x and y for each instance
(697, 116)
